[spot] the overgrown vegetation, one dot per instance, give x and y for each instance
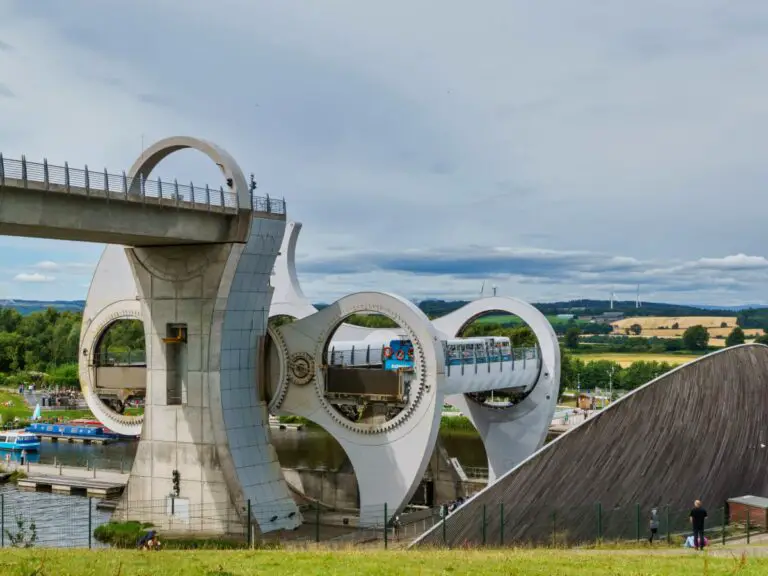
(24, 535)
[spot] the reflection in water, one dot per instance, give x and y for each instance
(317, 449)
(468, 448)
(60, 521)
(312, 448)
(106, 456)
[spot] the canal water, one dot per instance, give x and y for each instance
(62, 521)
(308, 448)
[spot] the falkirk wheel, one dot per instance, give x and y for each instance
(293, 370)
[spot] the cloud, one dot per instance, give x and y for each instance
(33, 278)
(47, 265)
(504, 144)
(735, 262)
(535, 274)
(65, 267)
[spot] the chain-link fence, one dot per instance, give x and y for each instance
(51, 520)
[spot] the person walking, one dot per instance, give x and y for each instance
(698, 515)
(654, 525)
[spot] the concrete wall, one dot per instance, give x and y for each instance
(119, 377)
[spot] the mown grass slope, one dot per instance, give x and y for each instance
(341, 563)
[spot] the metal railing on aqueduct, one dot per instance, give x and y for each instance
(22, 173)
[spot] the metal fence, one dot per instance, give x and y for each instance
(590, 525)
(119, 186)
(52, 520)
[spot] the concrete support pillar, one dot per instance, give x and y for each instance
(205, 310)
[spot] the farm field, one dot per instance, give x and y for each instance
(539, 562)
(683, 322)
(625, 359)
(713, 332)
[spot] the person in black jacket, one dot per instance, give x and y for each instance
(698, 514)
(654, 525)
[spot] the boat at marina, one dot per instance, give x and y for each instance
(92, 422)
(18, 440)
(71, 431)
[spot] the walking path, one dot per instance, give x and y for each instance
(111, 476)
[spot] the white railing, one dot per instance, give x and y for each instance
(85, 181)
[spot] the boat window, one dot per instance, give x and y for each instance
(3, 439)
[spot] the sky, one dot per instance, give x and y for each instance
(557, 150)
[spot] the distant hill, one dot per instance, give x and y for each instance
(29, 306)
(434, 308)
(755, 316)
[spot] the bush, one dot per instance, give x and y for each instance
(121, 534)
(127, 534)
(456, 424)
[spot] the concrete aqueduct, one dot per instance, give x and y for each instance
(200, 268)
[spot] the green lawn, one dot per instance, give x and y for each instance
(12, 405)
(514, 320)
(15, 562)
(18, 407)
(627, 358)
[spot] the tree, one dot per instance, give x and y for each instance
(636, 329)
(696, 338)
(723, 324)
(762, 339)
(572, 337)
(735, 337)
(676, 326)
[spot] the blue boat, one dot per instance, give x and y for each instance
(71, 431)
(18, 440)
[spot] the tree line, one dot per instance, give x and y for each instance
(694, 339)
(47, 342)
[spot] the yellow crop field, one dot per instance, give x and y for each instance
(662, 327)
(626, 359)
(683, 322)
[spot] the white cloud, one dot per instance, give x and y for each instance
(33, 278)
(47, 265)
(65, 267)
(570, 142)
(735, 262)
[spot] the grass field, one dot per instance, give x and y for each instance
(514, 320)
(15, 562)
(627, 359)
(12, 405)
